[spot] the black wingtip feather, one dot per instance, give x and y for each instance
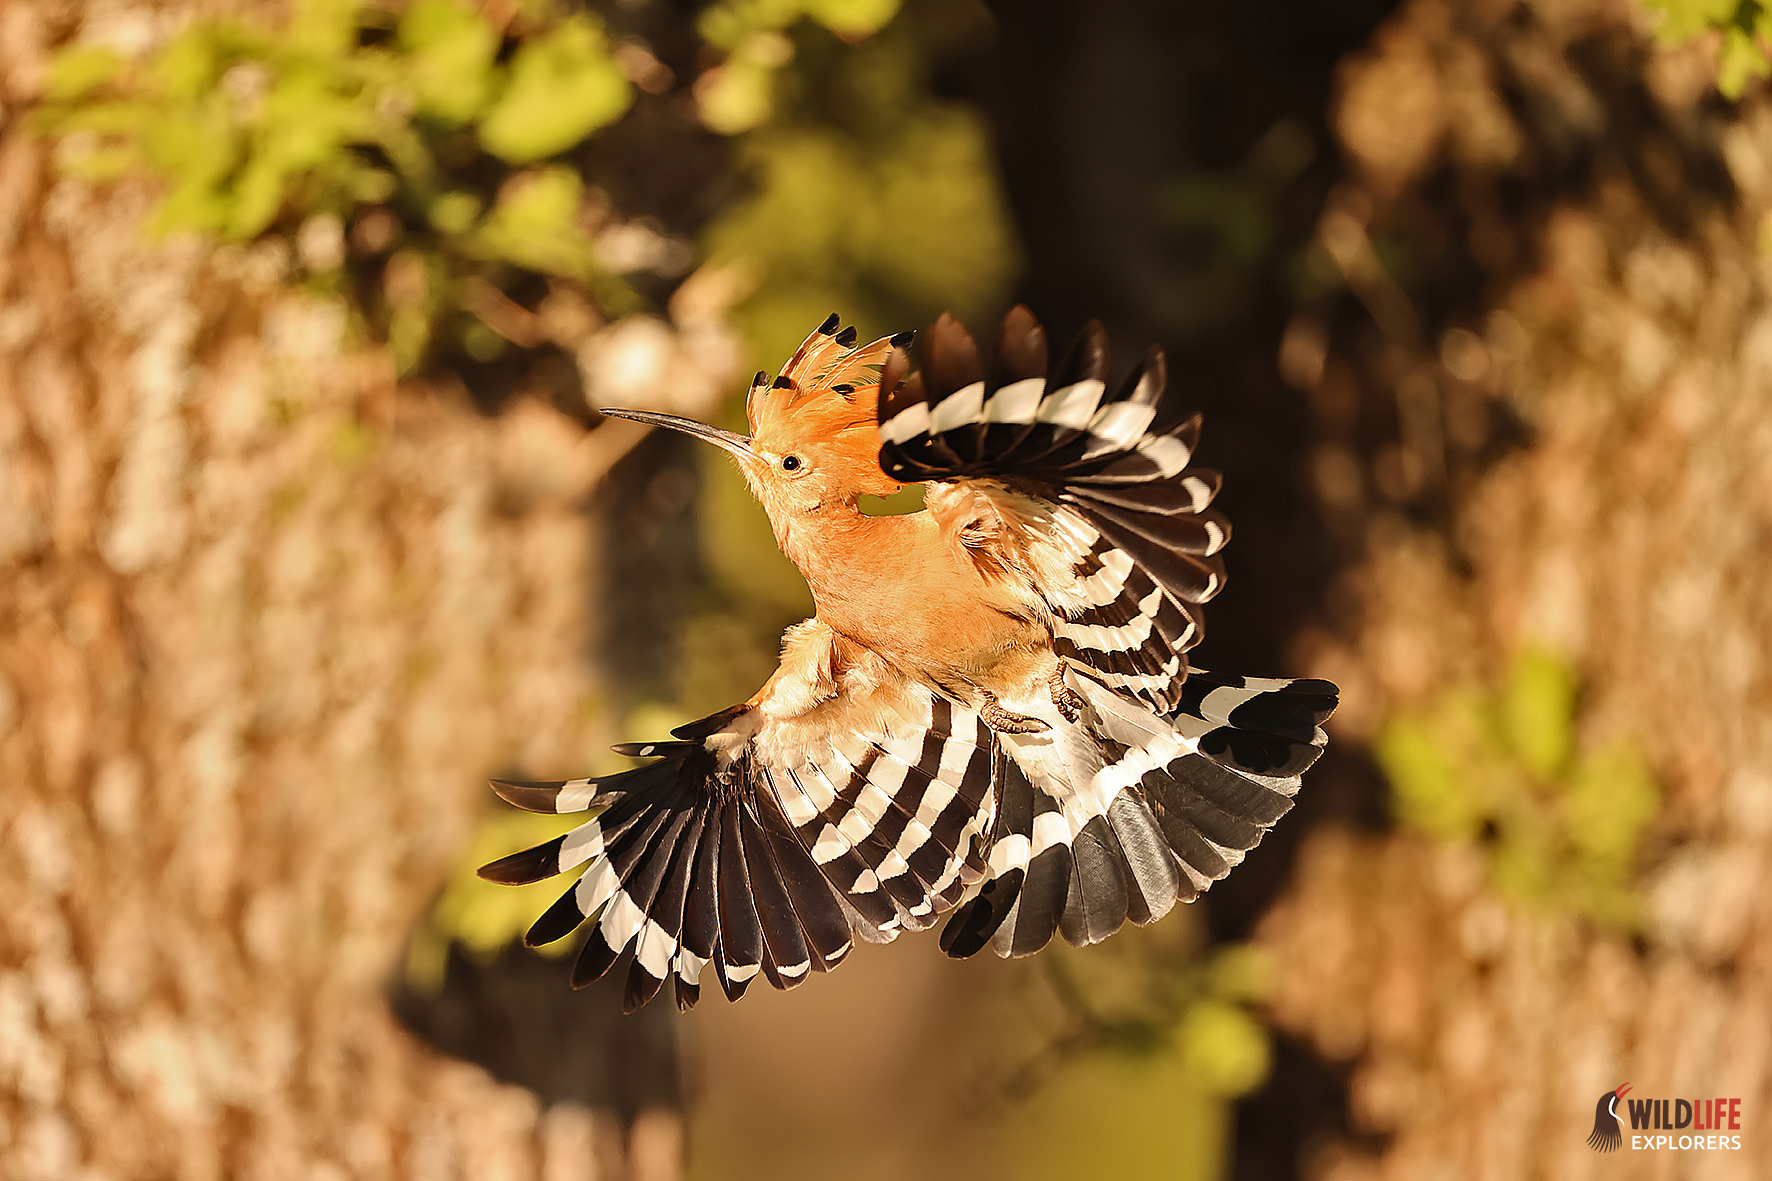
(594, 960)
(530, 865)
(712, 724)
(640, 988)
(1086, 360)
(1044, 892)
(1258, 752)
(649, 750)
(557, 921)
(970, 928)
(531, 796)
(950, 358)
(1021, 348)
(1145, 384)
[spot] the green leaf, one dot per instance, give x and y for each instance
(371, 186)
(257, 198)
(1537, 711)
(1610, 801)
(735, 96)
(80, 69)
(454, 213)
(1224, 1047)
(535, 224)
(563, 86)
(1242, 972)
(1682, 20)
(1427, 790)
(190, 65)
(852, 19)
(450, 63)
(1742, 61)
(324, 28)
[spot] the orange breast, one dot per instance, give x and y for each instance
(900, 586)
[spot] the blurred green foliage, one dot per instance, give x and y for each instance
(1562, 822)
(1157, 992)
(872, 196)
(1745, 27)
(415, 154)
(739, 94)
(1156, 1037)
(406, 152)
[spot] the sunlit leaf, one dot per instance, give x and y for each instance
(324, 28)
(1743, 59)
(735, 96)
(535, 224)
(454, 213)
(450, 65)
(79, 69)
(1427, 789)
(189, 65)
(1224, 1047)
(564, 85)
(1610, 800)
(257, 198)
(1538, 710)
(852, 19)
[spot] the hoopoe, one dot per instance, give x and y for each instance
(991, 714)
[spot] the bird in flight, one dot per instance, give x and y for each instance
(991, 715)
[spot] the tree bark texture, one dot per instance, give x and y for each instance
(266, 623)
(1613, 210)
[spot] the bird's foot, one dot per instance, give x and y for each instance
(1065, 698)
(1004, 722)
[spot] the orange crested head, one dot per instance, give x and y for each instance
(814, 442)
(821, 411)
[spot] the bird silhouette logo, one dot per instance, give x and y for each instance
(1606, 1136)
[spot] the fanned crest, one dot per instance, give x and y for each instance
(849, 799)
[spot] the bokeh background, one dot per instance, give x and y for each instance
(308, 525)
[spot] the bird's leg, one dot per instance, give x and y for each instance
(1064, 697)
(1004, 722)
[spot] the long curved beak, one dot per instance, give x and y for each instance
(739, 445)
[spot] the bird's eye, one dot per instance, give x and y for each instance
(790, 463)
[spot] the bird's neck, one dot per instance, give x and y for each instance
(833, 541)
(852, 562)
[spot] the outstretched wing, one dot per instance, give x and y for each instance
(838, 801)
(1068, 481)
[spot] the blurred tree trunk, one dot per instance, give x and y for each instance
(1519, 290)
(1551, 223)
(266, 621)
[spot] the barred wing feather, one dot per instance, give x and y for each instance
(723, 856)
(1118, 499)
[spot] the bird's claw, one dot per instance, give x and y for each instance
(1065, 698)
(1004, 722)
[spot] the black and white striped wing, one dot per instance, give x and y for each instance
(1176, 804)
(728, 855)
(1128, 541)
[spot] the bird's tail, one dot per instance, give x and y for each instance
(1124, 813)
